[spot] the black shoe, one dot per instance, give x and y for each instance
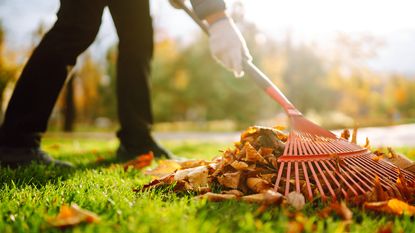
(14, 157)
(124, 154)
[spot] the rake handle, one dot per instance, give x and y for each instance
(251, 69)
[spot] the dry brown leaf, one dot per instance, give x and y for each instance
(377, 158)
(166, 180)
(342, 210)
(264, 151)
(338, 162)
(354, 134)
(71, 216)
(391, 153)
(192, 163)
(99, 159)
(392, 206)
(140, 161)
(269, 197)
(388, 228)
(296, 200)
(233, 192)
(258, 198)
(411, 168)
(239, 165)
(345, 134)
(398, 160)
(406, 189)
(295, 227)
(230, 180)
(198, 176)
(164, 167)
(272, 197)
(381, 195)
(280, 127)
(245, 136)
(215, 197)
(367, 144)
(258, 185)
(252, 154)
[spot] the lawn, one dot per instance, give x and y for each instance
(28, 196)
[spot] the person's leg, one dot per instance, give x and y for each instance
(44, 75)
(135, 31)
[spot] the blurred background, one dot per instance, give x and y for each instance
(340, 62)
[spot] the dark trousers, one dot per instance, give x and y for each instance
(44, 75)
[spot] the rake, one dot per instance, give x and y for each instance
(316, 162)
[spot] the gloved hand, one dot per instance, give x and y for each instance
(228, 46)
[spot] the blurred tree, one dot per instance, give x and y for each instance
(87, 86)
(69, 108)
(304, 79)
(8, 70)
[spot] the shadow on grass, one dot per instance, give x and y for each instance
(34, 175)
(38, 175)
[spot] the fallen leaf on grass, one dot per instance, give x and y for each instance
(406, 188)
(377, 158)
(198, 176)
(71, 216)
(230, 180)
(388, 228)
(166, 180)
(252, 154)
(192, 163)
(164, 167)
(354, 134)
(377, 193)
(345, 134)
(215, 197)
(258, 185)
(340, 209)
(296, 200)
(399, 160)
(99, 159)
(140, 161)
(239, 165)
(367, 144)
(234, 192)
(295, 227)
(392, 206)
(270, 197)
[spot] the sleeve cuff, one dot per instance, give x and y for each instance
(204, 8)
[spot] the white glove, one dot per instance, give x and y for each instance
(228, 46)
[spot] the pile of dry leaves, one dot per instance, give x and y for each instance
(248, 172)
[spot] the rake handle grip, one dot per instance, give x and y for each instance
(253, 72)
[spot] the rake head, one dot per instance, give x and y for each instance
(318, 164)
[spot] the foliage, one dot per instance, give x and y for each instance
(8, 70)
(188, 86)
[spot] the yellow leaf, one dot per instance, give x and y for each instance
(71, 216)
(392, 206)
(164, 167)
(140, 161)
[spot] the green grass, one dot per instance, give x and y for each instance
(28, 196)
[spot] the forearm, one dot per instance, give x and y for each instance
(210, 19)
(205, 9)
